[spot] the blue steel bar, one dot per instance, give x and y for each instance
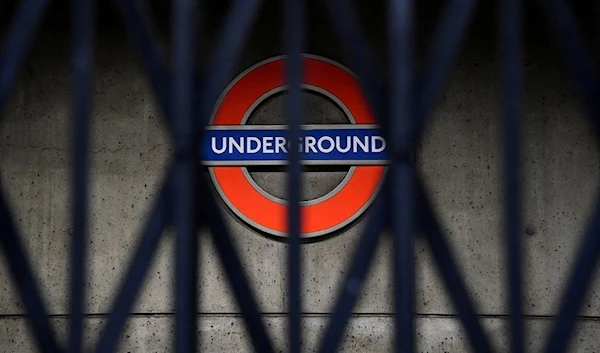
(359, 266)
(400, 22)
(24, 280)
(294, 33)
(510, 22)
(140, 28)
(18, 39)
(230, 43)
(185, 176)
(234, 270)
(360, 54)
(450, 273)
(441, 57)
(138, 268)
(83, 32)
(580, 66)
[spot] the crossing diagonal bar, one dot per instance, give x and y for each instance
(450, 273)
(25, 281)
(510, 55)
(16, 43)
(83, 32)
(145, 249)
(294, 32)
(234, 270)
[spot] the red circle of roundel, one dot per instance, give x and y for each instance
(266, 214)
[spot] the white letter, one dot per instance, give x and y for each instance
(374, 147)
(233, 143)
(357, 142)
(249, 141)
(310, 144)
(280, 144)
(213, 144)
(338, 144)
(328, 149)
(268, 144)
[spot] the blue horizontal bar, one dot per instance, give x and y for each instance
(268, 145)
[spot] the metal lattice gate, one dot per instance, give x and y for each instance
(187, 102)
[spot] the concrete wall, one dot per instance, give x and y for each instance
(460, 159)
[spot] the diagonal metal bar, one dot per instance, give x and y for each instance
(143, 37)
(25, 281)
(234, 270)
(294, 32)
(446, 43)
(579, 65)
(400, 22)
(185, 174)
(576, 288)
(577, 59)
(241, 17)
(83, 30)
(446, 264)
(138, 268)
(360, 54)
(18, 39)
(359, 266)
(510, 22)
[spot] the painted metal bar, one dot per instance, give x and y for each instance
(580, 66)
(450, 272)
(441, 57)
(83, 33)
(25, 281)
(576, 288)
(510, 47)
(16, 43)
(185, 174)
(358, 269)
(234, 270)
(294, 33)
(138, 268)
(143, 38)
(578, 60)
(360, 55)
(230, 43)
(400, 22)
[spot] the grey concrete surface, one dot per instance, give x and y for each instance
(364, 334)
(460, 159)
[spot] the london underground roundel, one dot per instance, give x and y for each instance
(231, 145)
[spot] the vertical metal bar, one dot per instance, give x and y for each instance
(400, 22)
(25, 281)
(294, 32)
(83, 32)
(510, 55)
(18, 39)
(185, 174)
(159, 217)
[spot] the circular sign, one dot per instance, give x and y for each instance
(249, 201)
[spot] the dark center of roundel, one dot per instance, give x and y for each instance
(317, 180)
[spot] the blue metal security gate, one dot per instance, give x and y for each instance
(187, 97)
